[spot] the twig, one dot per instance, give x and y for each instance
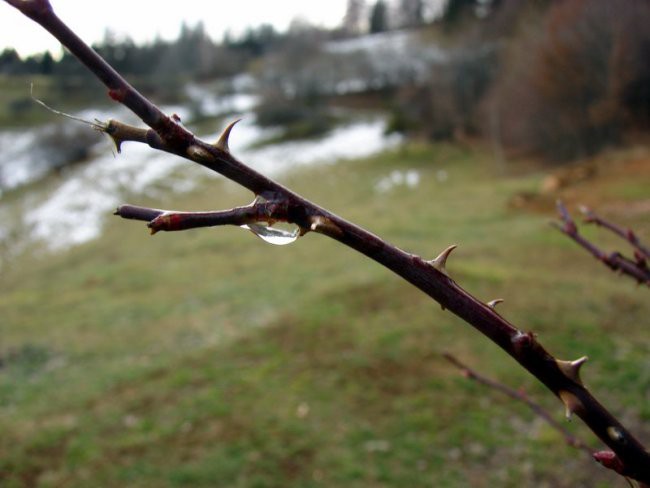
(636, 269)
(429, 276)
(520, 396)
(627, 234)
(157, 220)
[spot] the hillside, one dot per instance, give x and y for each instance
(209, 358)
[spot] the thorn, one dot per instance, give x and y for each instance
(571, 369)
(117, 142)
(493, 304)
(571, 403)
(440, 263)
(222, 143)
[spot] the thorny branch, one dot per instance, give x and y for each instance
(628, 234)
(628, 457)
(636, 268)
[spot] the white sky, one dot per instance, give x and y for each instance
(142, 20)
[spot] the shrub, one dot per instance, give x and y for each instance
(581, 82)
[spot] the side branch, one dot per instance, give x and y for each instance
(560, 377)
(636, 269)
(170, 220)
(520, 396)
(627, 234)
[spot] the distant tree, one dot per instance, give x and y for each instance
(355, 14)
(47, 63)
(379, 17)
(455, 10)
(581, 83)
(10, 61)
(256, 41)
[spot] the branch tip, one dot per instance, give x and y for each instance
(610, 461)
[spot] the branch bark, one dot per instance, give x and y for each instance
(170, 220)
(560, 377)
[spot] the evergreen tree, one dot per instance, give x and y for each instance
(456, 9)
(378, 17)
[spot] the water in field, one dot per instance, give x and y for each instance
(61, 206)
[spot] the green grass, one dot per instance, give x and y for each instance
(209, 358)
(17, 109)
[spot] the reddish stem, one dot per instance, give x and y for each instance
(636, 269)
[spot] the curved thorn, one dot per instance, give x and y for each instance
(440, 263)
(222, 143)
(493, 304)
(571, 369)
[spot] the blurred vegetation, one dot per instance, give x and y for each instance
(209, 358)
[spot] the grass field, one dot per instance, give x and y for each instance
(209, 358)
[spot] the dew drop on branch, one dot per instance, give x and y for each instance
(280, 234)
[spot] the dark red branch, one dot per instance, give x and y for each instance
(171, 220)
(520, 396)
(133, 212)
(627, 234)
(429, 276)
(636, 269)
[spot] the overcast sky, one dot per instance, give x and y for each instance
(142, 20)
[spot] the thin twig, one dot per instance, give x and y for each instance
(636, 269)
(520, 396)
(429, 276)
(627, 234)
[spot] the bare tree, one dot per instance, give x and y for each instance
(275, 203)
(354, 21)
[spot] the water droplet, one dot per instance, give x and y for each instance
(280, 234)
